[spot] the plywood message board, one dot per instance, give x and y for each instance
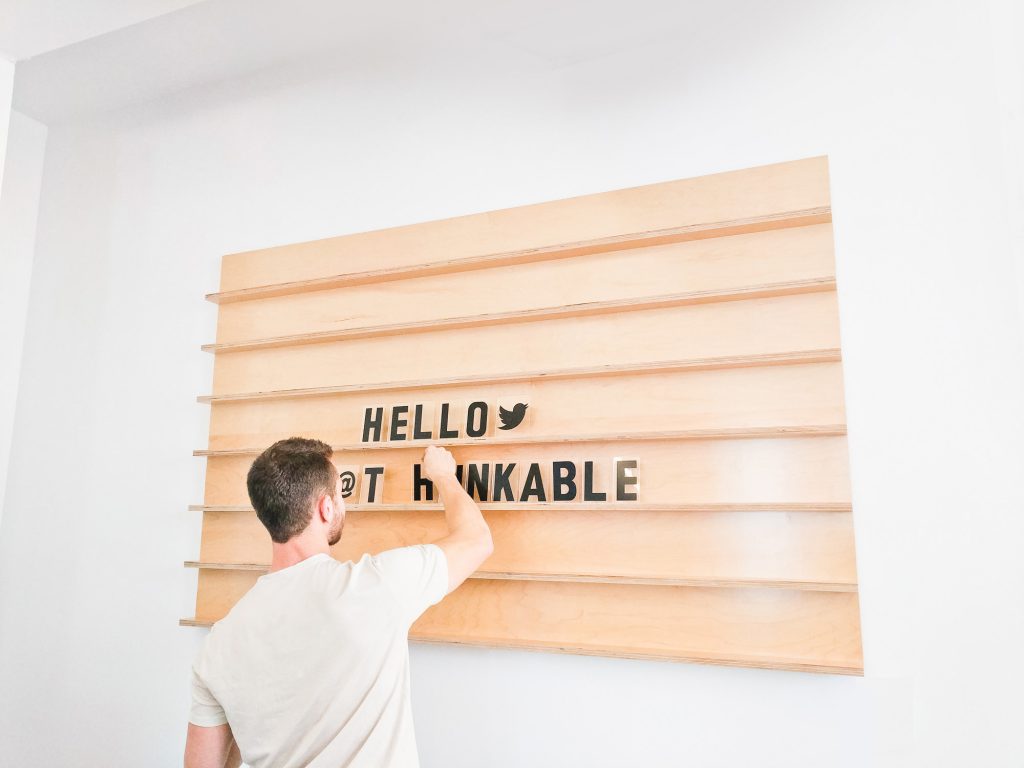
(643, 388)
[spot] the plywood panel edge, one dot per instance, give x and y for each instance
(748, 663)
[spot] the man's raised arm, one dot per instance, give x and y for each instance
(468, 542)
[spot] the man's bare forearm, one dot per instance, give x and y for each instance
(460, 511)
(468, 543)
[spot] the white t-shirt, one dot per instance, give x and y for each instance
(311, 666)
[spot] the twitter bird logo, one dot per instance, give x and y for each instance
(512, 419)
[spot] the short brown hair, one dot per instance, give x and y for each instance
(285, 482)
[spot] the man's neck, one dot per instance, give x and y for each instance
(295, 550)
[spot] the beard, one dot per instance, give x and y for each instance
(335, 535)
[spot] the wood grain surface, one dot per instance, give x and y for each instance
(691, 325)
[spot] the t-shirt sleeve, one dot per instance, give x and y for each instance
(206, 710)
(417, 575)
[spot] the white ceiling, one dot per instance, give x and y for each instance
(203, 46)
(31, 27)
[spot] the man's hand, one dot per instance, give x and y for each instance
(438, 462)
(468, 542)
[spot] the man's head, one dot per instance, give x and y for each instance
(294, 486)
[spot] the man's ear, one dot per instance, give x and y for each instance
(324, 508)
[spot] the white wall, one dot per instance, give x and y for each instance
(6, 92)
(22, 143)
(8, 391)
(912, 101)
(19, 205)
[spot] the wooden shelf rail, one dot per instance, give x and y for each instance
(562, 311)
(785, 219)
(739, 433)
(618, 506)
(581, 650)
(813, 586)
(827, 355)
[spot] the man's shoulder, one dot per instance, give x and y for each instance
(324, 574)
(366, 573)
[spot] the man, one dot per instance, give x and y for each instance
(311, 666)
